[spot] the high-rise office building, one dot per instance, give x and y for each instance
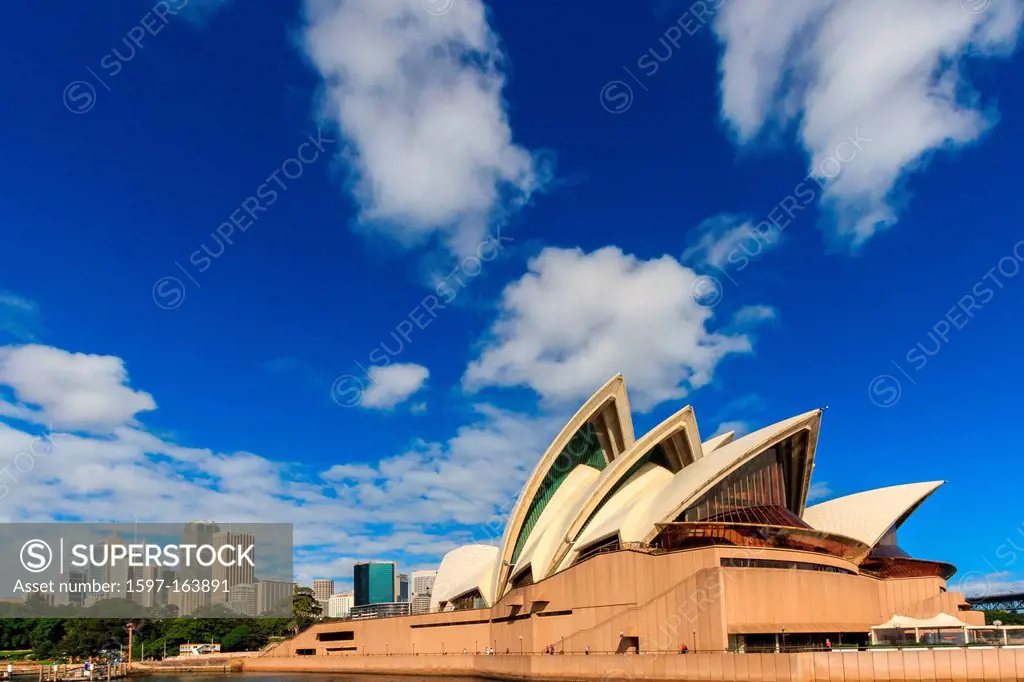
(274, 596)
(76, 591)
(117, 572)
(198, 533)
(150, 576)
(242, 600)
(239, 574)
(189, 602)
(422, 583)
(339, 605)
(195, 533)
(323, 588)
(374, 582)
(403, 587)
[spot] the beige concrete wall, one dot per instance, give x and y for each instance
(953, 665)
(663, 599)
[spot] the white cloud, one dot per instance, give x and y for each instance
(200, 12)
(978, 584)
(70, 390)
(393, 384)
(350, 472)
(891, 70)
(419, 503)
(726, 240)
(740, 428)
(751, 315)
(19, 317)
(819, 490)
(575, 319)
(419, 97)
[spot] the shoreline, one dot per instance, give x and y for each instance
(953, 665)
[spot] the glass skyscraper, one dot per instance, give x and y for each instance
(375, 582)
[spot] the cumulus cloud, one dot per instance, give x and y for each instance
(70, 390)
(979, 584)
(725, 241)
(740, 428)
(419, 97)
(819, 490)
(393, 384)
(419, 502)
(752, 315)
(889, 71)
(19, 317)
(575, 319)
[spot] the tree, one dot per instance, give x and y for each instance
(1004, 617)
(305, 609)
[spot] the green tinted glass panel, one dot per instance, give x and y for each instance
(583, 448)
(373, 583)
(655, 455)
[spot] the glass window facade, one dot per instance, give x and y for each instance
(743, 562)
(373, 583)
(583, 448)
(759, 482)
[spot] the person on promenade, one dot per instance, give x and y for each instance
(828, 644)
(683, 648)
(586, 650)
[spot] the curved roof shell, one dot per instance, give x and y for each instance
(463, 570)
(867, 516)
(599, 432)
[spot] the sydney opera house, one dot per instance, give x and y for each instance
(625, 544)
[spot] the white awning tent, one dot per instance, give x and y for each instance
(939, 622)
(942, 620)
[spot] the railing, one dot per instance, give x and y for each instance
(677, 652)
(643, 547)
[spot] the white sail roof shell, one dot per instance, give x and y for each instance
(556, 517)
(463, 570)
(867, 516)
(635, 510)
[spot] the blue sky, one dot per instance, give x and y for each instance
(755, 211)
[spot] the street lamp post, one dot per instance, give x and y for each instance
(783, 637)
(520, 645)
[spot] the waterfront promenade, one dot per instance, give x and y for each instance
(945, 665)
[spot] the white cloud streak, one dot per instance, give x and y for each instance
(419, 96)
(393, 384)
(892, 70)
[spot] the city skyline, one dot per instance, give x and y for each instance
(360, 291)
